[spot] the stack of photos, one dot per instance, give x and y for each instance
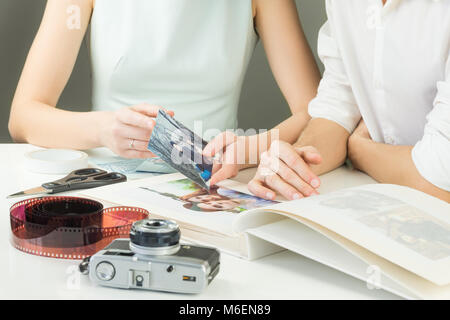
(181, 149)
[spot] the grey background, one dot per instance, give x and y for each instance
(261, 106)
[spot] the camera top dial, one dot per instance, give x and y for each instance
(155, 237)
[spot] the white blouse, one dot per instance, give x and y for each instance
(390, 65)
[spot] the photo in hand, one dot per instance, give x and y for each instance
(181, 149)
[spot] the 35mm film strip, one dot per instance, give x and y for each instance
(68, 227)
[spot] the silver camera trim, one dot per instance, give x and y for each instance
(161, 264)
(162, 251)
(164, 227)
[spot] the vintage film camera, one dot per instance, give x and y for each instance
(153, 259)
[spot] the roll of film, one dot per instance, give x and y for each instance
(68, 227)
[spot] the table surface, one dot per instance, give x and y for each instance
(292, 276)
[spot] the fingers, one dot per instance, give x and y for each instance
(135, 154)
(257, 187)
(225, 172)
(150, 110)
(280, 169)
(275, 182)
(286, 170)
(292, 159)
(227, 167)
(217, 165)
(137, 145)
(131, 117)
(130, 138)
(126, 131)
(130, 132)
(219, 143)
(131, 148)
(141, 115)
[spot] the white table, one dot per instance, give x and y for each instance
(281, 276)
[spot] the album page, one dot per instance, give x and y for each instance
(173, 196)
(402, 225)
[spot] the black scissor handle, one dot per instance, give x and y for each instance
(86, 172)
(85, 179)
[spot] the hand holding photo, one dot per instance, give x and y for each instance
(181, 149)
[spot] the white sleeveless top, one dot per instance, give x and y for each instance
(189, 56)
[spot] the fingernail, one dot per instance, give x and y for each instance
(296, 196)
(269, 195)
(315, 183)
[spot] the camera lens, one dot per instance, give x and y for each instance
(155, 237)
(154, 224)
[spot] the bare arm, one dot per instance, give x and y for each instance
(389, 163)
(292, 64)
(288, 52)
(293, 170)
(297, 75)
(330, 140)
(34, 116)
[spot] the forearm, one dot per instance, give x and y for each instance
(330, 139)
(293, 66)
(40, 124)
(390, 164)
(289, 131)
(288, 52)
(48, 67)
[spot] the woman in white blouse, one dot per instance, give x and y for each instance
(384, 101)
(189, 56)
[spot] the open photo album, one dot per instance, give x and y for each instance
(359, 230)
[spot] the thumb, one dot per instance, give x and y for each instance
(150, 110)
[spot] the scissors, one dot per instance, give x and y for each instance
(76, 180)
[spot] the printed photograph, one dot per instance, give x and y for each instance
(181, 149)
(129, 166)
(356, 203)
(414, 229)
(191, 197)
(395, 219)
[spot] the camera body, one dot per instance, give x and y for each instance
(153, 259)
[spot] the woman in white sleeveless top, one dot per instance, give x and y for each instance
(189, 56)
